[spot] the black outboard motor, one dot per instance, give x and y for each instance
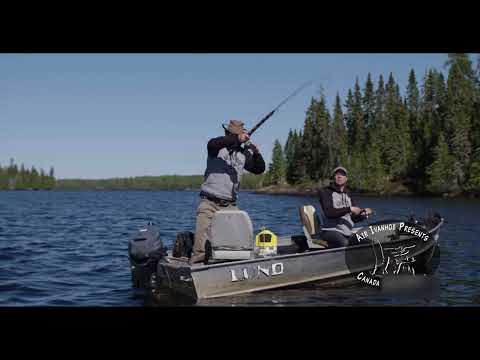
(145, 249)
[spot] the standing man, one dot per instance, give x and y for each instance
(226, 162)
(339, 211)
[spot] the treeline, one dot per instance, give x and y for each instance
(14, 178)
(427, 141)
(166, 182)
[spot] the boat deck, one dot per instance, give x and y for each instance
(294, 244)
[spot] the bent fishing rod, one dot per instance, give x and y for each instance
(260, 123)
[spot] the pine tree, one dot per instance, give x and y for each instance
(460, 98)
(393, 152)
(473, 185)
(428, 92)
(356, 171)
(404, 135)
(277, 168)
(475, 138)
(440, 95)
(51, 178)
(298, 172)
(413, 107)
(432, 117)
(308, 140)
(21, 177)
(359, 138)
(441, 178)
(289, 154)
(465, 65)
(368, 102)
(339, 141)
(478, 71)
(3, 179)
(11, 166)
(289, 148)
(413, 97)
(321, 153)
(349, 120)
(42, 183)
(375, 179)
(12, 173)
(315, 139)
(377, 130)
(34, 178)
(395, 135)
(426, 126)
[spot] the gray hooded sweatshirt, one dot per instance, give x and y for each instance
(226, 163)
(336, 214)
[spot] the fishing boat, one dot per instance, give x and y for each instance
(238, 262)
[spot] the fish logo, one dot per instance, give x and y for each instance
(397, 260)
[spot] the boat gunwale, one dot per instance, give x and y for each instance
(295, 255)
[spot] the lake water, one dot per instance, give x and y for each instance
(70, 248)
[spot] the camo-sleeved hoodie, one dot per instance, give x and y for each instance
(336, 214)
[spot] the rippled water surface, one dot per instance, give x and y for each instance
(70, 248)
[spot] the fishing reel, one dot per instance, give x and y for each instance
(363, 213)
(249, 145)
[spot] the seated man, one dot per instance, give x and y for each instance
(339, 211)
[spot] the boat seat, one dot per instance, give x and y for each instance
(311, 227)
(231, 236)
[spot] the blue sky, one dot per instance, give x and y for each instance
(118, 115)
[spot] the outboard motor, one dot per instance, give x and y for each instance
(145, 249)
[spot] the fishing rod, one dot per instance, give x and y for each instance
(260, 123)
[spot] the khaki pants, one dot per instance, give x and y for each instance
(205, 213)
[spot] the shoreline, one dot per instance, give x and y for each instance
(399, 192)
(305, 191)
